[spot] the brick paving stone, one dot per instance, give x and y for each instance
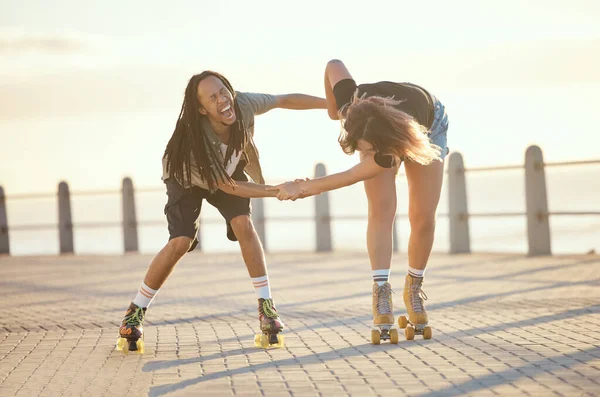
(504, 325)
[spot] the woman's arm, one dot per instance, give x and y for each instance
(366, 169)
(335, 71)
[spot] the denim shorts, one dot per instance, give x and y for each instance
(438, 133)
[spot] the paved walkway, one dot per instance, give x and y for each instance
(502, 325)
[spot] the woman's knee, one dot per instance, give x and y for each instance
(382, 209)
(421, 222)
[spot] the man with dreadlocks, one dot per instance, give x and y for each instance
(206, 158)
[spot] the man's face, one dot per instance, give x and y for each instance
(216, 102)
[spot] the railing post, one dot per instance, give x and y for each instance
(458, 213)
(65, 224)
(322, 215)
(395, 237)
(4, 240)
(538, 225)
(258, 218)
(130, 232)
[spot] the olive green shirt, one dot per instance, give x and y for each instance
(250, 105)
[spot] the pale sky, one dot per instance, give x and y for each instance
(90, 92)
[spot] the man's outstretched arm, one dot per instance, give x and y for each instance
(248, 189)
(300, 102)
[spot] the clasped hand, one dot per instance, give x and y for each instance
(291, 190)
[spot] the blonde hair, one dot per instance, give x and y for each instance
(390, 130)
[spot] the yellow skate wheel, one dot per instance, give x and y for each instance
(427, 333)
(140, 346)
(280, 341)
(264, 341)
(409, 332)
(402, 322)
(257, 340)
(121, 342)
(394, 336)
(375, 337)
(125, 346)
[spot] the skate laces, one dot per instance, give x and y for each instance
(384, 294)
(268, 309)
(417, 295)
(135, 318)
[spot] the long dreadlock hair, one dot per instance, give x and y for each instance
(189, 139)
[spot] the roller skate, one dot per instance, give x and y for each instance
(131, 332)
(270, 325)
(416, 323)
(383, 317)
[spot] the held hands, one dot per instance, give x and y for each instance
(290, 190)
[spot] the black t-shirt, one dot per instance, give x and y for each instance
(416, 101)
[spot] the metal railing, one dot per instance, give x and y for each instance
(536, 202)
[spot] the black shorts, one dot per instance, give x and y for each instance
(183, 207)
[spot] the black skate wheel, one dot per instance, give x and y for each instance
(273, 339)
(133, 347)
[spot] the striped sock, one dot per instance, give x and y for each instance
(381, 276)
(416, 272)
(261, 287)
(144, 296)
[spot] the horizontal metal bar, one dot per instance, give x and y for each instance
(162, 222)
(494, 168)
(33, 196)
(573, 213)
(513, 214)
(150, 189)
(564, 163)
(520, 166)
(153, 222)
(18, 228)
(97, 225)
(29, 196)
(95, 192)
(495, 214)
